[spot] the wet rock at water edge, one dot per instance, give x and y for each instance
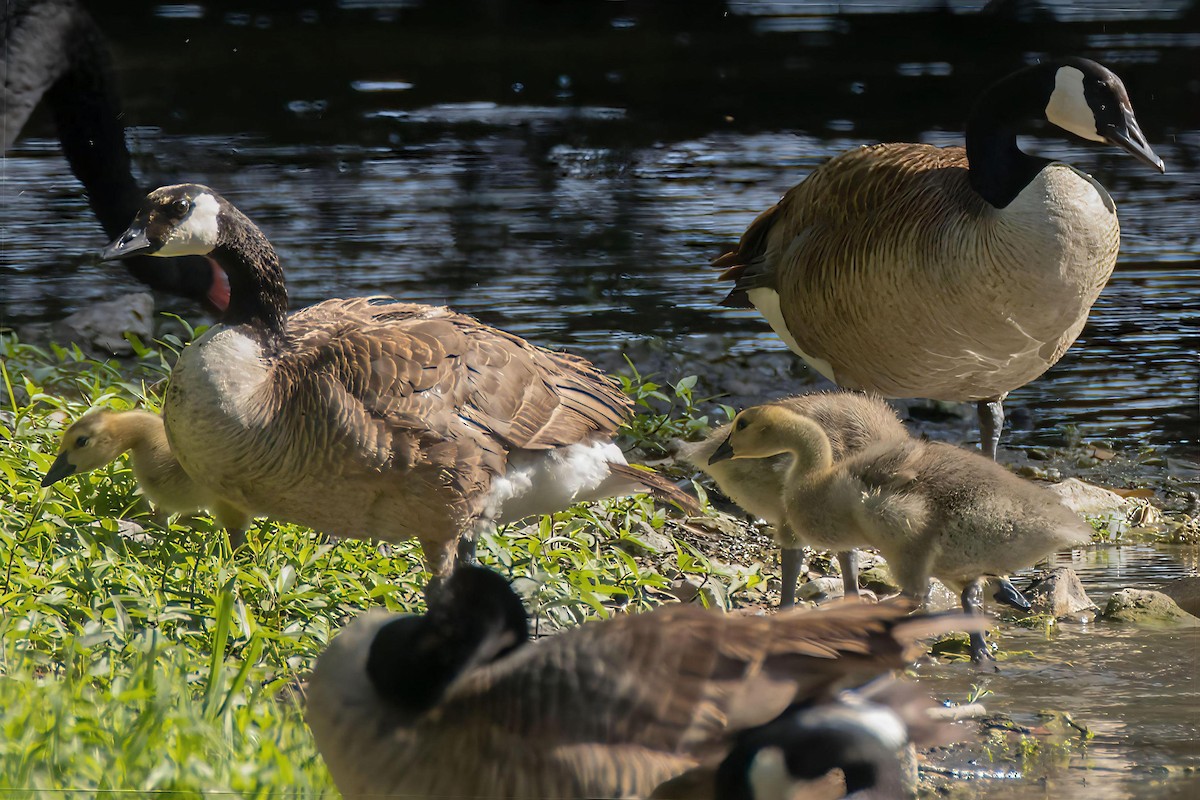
(1146, 606)
(820, 590)
(1060, 594)
(100, 328)
(1185, 592)
(1089, 500)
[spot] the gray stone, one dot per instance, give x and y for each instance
(1060, 594)
(695, 589)
(820, 590)
(1088, 500)
(1145, 606)
(100, 327)
(1185, 592)
(878, 579)
(941, 598)
(646, 542)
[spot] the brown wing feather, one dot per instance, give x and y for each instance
(619, 707)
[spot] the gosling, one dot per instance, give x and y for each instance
(850, 421)
(101, 436)
(930, 508)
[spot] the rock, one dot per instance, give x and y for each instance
(646, 542)
(1145, 606)
(878, 579)
(133, 532)
(695, 589)
(1185, 592)
(1088, 500)
(1060, 594)
(940, 597)
(820, 590)
(100, 327)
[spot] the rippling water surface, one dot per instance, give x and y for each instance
(568, 172)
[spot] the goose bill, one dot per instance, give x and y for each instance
(60, 469)
(725, 451)
(1130, 138)
(130, 243)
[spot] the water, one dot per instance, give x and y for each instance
(566, 171)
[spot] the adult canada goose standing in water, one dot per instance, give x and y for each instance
(932, 509)
(458, 702)
(370, 417)
(53, 49)
(948, 273)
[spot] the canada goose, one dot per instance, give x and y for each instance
(457, 702)
(101, 436)
(370, 417)
(846, 748)
(54, 49)
(897, 269)
(930, 508)
(851, 422)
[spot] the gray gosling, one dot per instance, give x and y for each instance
(954, 273)
(852, 422)
(459, 703)
(931, 509)
(102, 435)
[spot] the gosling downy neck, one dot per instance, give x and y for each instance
(474, 618)
(142, 433)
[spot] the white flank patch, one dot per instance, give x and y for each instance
(197, 234)
(767, 303)
(545, 481)
(1068, 107)
(853, 714)
(768, 775)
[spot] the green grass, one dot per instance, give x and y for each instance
(168, 664)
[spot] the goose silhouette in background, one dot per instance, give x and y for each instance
(373, 418)
(952, 273)
(54, 51)
(458, 703)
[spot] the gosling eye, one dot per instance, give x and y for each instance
(741, 424)
(180, 207)
(81, 441)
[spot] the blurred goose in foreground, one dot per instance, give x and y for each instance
(53, 49)
(930, 508)
(457, 702)
(101, 436)
(947, 272)
(850, 421)
(369, 417)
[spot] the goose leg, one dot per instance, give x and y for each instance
(791, 562)
(991, 423)
(1010, 595)
(848, 560)
(972, 603)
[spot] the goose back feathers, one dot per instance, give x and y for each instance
(610, 709)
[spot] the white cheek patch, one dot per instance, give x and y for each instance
(197, 234)
(768, 775)
(1068, 107)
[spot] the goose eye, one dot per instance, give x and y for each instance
(740, 425)
(81, 441)
(180, 207)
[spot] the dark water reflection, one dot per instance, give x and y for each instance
(567, 169)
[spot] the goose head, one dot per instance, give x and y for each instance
(1089, 100)
(473, 619)
(91, 442)
(182, 220)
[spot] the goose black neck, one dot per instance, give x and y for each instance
(472, 620)
(257, 292)
(999, 170)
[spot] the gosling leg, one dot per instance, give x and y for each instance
(972, 603)
(991, 423)
(791, 562)
(848, 561)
